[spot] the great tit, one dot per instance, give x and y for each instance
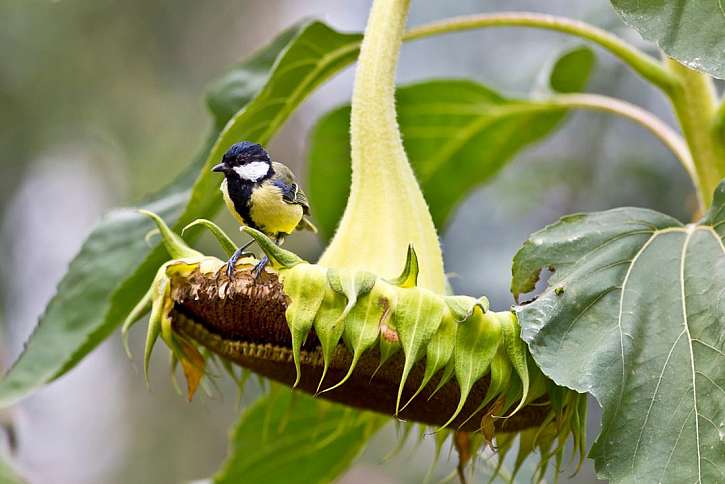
(262, 194)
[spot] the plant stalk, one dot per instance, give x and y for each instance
(645, 65)
(386, 210)
(696, 107)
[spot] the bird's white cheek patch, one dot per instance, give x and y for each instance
(252, 171)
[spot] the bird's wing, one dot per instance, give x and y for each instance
(291, 191)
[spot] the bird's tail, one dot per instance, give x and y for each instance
(305, 224)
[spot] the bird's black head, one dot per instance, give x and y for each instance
(247, 161)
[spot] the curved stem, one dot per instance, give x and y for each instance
(695, 105)
(719, 123)
(644, 118)
(386, 211)
(645, 65)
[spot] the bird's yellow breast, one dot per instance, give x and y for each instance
(271, 213)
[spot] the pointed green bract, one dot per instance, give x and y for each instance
(477, 340)
(448, 373)
(306, 285)
(389, 344)
(439, 350)
(527, 445)
(224, 241)
(329, 327)
(279, 257)
(154, 329)
(175, 245)
(462, 306)
(409, 276)
(500, 378)
(143, 306)
(417, 315)
(516, 352)
(351, 284)
(362, 324)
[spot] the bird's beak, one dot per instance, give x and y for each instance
(221, 168)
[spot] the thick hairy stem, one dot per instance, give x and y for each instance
(244, 321)
(386, 210)
(645, 65)
(695, 105)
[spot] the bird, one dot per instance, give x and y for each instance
(261, 194)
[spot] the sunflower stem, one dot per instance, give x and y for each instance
(386, 211)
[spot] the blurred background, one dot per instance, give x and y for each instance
(101, 103)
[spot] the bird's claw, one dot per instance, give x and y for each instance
(232, 262)
(259, 267)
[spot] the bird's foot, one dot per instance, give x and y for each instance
(232, 262)
(260, 267)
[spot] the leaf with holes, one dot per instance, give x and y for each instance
(635, 315)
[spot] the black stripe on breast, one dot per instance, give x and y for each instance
(241, 194)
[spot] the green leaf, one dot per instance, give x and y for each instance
(691, 32)
(570, 72)
(291, 437)
(242, 82)
(108, 277)
(87, 306)
(633, 314)
(453, 130)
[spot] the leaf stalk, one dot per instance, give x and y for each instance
(696, 106)
(645, 65)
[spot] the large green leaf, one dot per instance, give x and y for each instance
(114, 266)
(457, 134)
(692, 32)
(635, 315)
(292, 437)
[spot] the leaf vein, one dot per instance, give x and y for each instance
(711, 230)
(707, 345)
(578, 316)
(654, 397)
(689, 342)
(677, 441)
(621, 313)
(711, 381)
